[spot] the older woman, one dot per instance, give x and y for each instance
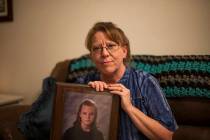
(145, 112)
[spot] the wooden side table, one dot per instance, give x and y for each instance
(6, 99)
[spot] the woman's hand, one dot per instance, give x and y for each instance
(124, 93)
(98, 85)
(117, 89)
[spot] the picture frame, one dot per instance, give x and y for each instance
(6, 10)
(68, 101)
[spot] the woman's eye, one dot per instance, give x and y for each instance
(96, 48)
(110, 46)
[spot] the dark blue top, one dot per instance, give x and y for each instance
(146, 95)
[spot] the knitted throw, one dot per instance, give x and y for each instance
(178, 75)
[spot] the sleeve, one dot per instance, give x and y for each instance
(156, 103)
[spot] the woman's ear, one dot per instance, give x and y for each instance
(125, 51)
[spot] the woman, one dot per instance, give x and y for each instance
(145, 112)
(85, 125)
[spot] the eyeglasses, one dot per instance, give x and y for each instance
(109, 47)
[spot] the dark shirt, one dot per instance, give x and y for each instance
(146, 95)
(76, 133)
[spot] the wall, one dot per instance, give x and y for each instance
(45, 32)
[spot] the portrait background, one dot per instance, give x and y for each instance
(104, 105)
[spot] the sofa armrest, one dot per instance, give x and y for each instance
(60, 71)
(8, 122)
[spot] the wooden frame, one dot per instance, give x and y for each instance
(67, 99)
(6, 11)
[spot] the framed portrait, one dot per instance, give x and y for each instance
(80, 112)
(6, 11)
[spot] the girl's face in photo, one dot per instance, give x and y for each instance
(87, 115)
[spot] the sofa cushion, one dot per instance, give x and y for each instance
(179, 75)
(190, 132)
(191, 111)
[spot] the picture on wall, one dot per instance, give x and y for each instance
(6, 11)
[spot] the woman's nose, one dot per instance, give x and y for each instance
(104, 51)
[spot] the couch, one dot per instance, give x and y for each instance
(185, 79)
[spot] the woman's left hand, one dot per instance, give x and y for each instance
(124, 93)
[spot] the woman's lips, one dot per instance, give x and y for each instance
(106, 62)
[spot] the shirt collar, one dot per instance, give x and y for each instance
(125, 76)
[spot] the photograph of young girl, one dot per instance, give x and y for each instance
(84, 117)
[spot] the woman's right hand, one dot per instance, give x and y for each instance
(98, 85)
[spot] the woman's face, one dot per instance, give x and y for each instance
(107, 55)
(87, 115)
